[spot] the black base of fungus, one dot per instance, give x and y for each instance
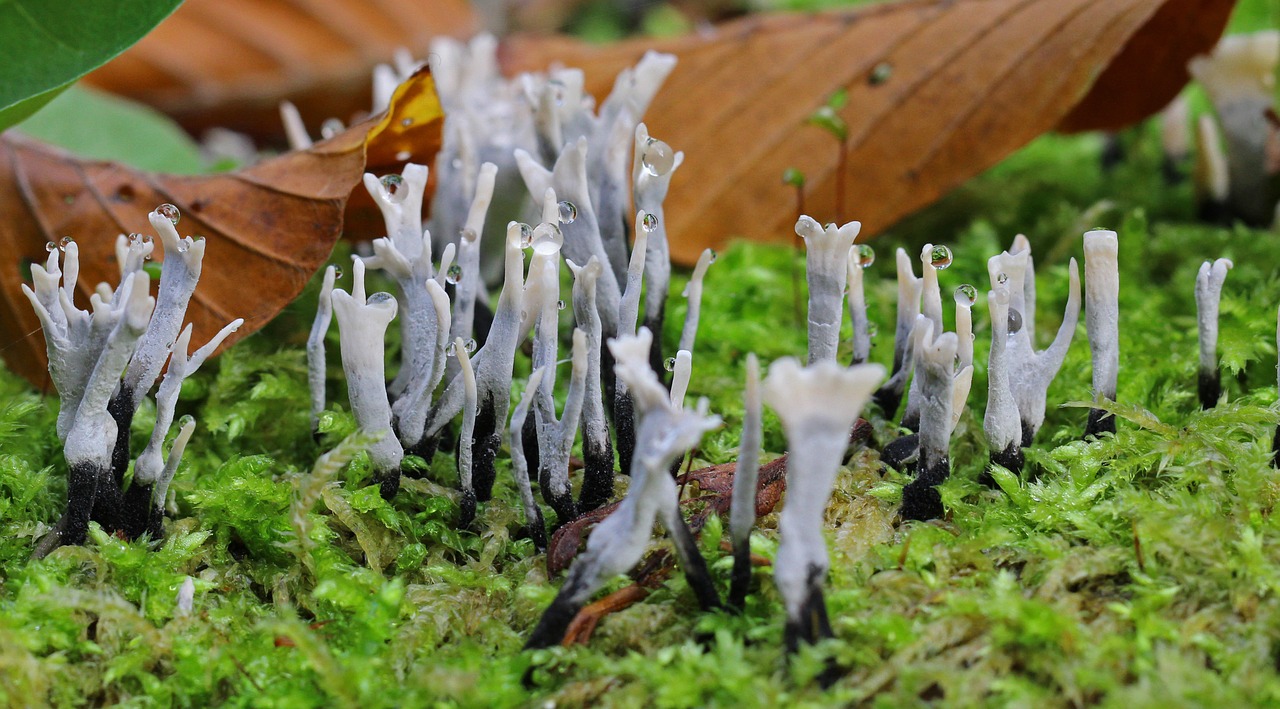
(82, 489)
(536, 528)
(740, 581)
(695, 567)
(888, 398)
(597, 476)
(121, 409)
(466, 509)
(1028, 435)
(812, 625)
(529, 439)
(1275, 449)
(1011, 459)
(482, 322)
(1209, 387)
(1099, 422)
(920, 498)
(897, 452)
(656, 360)
(424, 449)
(556, 618)
(624, 427)
(136, 511)
(388, 483)
(483, 454)
(564, 506)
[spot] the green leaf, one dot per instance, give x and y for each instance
(99, 126)
(48, 45)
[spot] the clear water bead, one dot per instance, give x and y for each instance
(170, 212)
(469, 345)
(1015, 321)
(65, 241)
(1002, 278)
(331, 127)
(186, 420)
(940, 257)
(866, 255)
(658, 158)
(711, 256)
(671, 364)
(454, 274)
(526, 235)
(337, 272)
(559, 305)
(396, 189)
(568, 212)
(50, 247)
(966, 294)
(650, 222)
(451, 350)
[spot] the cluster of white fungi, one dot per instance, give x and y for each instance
(593, 178)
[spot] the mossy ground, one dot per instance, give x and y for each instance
(1140, 570)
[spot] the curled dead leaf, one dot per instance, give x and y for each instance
(229, 63)
(938, 91)
(269, 226)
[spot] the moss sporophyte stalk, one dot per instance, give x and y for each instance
(1101, 528)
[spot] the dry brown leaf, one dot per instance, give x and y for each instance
(230, 62)
(969, 81)
(269, 226)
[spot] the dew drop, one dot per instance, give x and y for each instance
(146, 238)
(671, 364)
(330, 128)
(650, 222)
(50, 246)
(559, 305)
(170, 212)
(524, 315)
(64, 242)
(1002, 278)
(966, 294)
(658, 158)
(469, 345)
(940, 257)
(451, 350)
(880, 74)
(469, 235)
(456, 163)
(395, 187)
(866, 255)
(1015, 321)
(337, 272)
(186, 420)
(712, 256)
(454, 274)
(526, 235)
(406, 122)
(568, 212)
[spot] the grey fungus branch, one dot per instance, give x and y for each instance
(1209, 282)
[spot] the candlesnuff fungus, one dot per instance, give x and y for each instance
(628, 313)
(534, 524)
(860, 257)
(653, 165)
(818, 406)
(362, 328)
(935, 370)
(1239, 77)
(742, 510)
(1208, 295)
(1001, 423)
(597, 447)
(104, 362)
(693, 294)
(1031, 372)
(931, 311)
(315, 347)
(889, 396)
(827, 271)
(618, 543)
(1102, 322)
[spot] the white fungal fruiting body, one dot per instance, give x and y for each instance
(858, 309)
(315, 346)
(1102, 319)
(1209, 282)
(1239, 77)
(827, 272)
(693, 294)
(1001, 423)
(818, 406)
(1031, 372)
(742, 511)
(362, 324)
(597, 448)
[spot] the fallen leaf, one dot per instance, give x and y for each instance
(938, 91)
(269, 226)
(229, 63)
